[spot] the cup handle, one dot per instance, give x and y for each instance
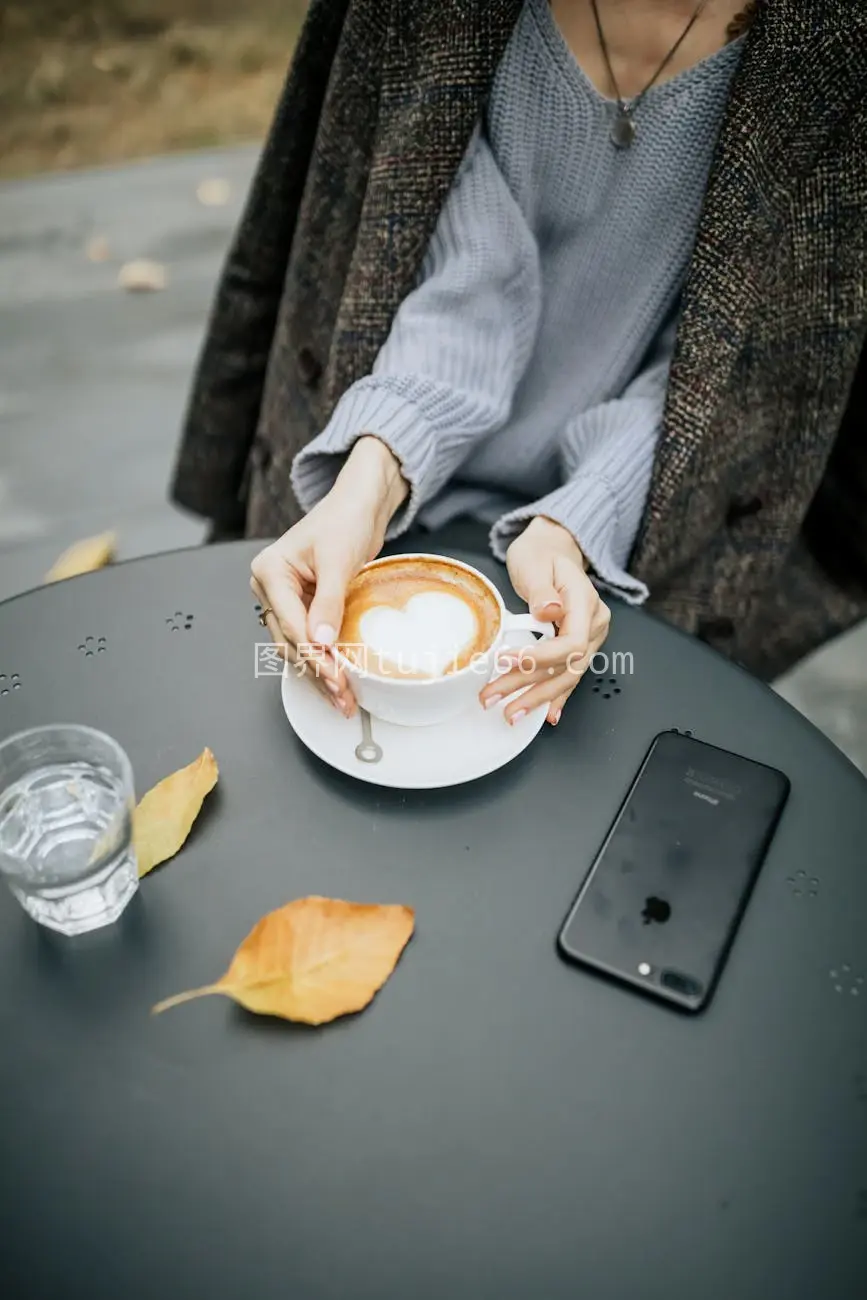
(527, 623)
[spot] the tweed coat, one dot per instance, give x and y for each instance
(754, 535)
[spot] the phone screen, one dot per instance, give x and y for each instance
(664, 897)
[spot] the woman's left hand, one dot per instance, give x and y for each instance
(548, 571)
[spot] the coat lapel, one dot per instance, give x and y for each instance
(439, 62)
(800, 76)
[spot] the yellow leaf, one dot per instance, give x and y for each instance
(164, 817)
(142, 276)
(98, 249)
(313, 960)
(214, 193)
(83, 557)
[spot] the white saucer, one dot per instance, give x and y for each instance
(413, 758)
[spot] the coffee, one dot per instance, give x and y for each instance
(417, 618)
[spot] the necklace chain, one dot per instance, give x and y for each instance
(623, 131)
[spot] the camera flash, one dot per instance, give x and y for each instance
(644, 968)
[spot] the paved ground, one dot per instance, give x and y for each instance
(92, 378)
(93, 381)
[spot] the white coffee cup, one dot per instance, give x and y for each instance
(425, 701)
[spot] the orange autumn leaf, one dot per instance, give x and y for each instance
(164, 817)
(83, 557)
(313, 960)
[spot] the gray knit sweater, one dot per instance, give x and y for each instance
(526, 372)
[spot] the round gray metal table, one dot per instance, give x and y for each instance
(497, 1124)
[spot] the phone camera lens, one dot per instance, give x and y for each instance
(684, 985)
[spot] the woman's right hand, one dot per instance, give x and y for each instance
(301, 579)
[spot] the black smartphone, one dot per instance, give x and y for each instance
(663, 899)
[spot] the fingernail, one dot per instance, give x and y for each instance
(492, 700)
(516, 717)
(325, 634)
(555, 717)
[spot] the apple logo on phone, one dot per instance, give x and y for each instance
(656, 909)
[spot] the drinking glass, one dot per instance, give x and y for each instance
(66, 805)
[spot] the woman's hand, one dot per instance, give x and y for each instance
(301, 579)
(548, 570)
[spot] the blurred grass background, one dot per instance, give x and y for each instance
(88, 82)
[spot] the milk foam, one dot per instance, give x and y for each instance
(424, 637)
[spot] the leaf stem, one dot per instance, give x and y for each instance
(178, 998)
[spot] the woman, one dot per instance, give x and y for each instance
(590, 273)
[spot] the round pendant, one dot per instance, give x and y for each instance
(623, 130)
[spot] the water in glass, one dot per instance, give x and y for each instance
(66, 834)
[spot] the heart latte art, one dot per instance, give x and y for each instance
(417, 618)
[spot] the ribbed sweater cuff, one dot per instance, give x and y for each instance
(588, 508)
(369, 408)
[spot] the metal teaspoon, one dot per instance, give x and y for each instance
(367, 751)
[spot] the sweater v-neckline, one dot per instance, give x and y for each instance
(683, 81)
